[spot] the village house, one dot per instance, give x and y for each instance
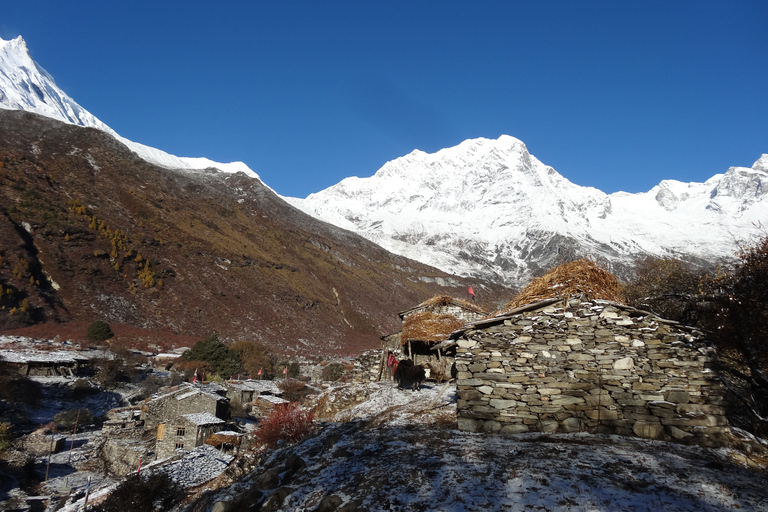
(425, 326)
(572, 363)
(226, 441)
(37, 363)
(245, 391)
(186, 398)
(185, 432)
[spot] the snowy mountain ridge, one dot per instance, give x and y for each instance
(25, 85)
(489, 209)
(484, 208)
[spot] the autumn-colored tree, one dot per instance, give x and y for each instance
(286, 423)
(731, 306)
(255, 357)
(667, 287)
(735, 306)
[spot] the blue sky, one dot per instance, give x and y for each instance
(617, 95)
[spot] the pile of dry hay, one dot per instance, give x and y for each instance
(447, 300)
(429, 327)
(583, 276)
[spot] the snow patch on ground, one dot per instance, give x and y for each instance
(398, 450)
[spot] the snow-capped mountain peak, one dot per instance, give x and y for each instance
(484, 208)
(25, 85)
(488, 208)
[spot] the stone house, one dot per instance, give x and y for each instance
(429, 323)
(186, 398)
(579, 365)
(64, 363)
(245, 391)
(263, 405)
(185, 432)
(123, 422)
(41, 442)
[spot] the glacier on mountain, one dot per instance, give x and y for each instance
(489, 209)
(25, 85)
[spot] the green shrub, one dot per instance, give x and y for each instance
(110, 372)
(224, 361)
(66, 419)
(99, 331)
(6, 436)
(333, 372)
(18, 389)
(82, 388)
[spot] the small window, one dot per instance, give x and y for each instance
(180, 431)
(179, 445)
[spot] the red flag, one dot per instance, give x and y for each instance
(194, 379)
(260, 369)
(471, 291)
(285, 370)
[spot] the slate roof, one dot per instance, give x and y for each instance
(202, 418)
(36, 356)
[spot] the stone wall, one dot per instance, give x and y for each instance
(186, 399)
(594, 366)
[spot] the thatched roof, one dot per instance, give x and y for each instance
(428, 327)
(445, 300)
(583, 276)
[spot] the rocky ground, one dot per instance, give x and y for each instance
(396, 450)
(379, 448)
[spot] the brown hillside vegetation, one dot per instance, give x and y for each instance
(90, 231)
(580, 276)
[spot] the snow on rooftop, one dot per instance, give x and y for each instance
(191, 392)
(229, 433)
(200, 465)
(262, 386)
(38, 356)
(271, 398)
(202, 418)
(167, 355)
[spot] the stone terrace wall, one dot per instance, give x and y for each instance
(593, 367)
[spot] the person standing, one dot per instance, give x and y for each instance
(391, 362)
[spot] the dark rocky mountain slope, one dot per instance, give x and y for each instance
(88, 230)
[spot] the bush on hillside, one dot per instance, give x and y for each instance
(286, 423)
(254, 357)
(293, 390)
(667, 287)
(735, 312)
(333, 372)
(82, 388)
(110, 372)
(224, 361)
(99, 331)
(294, 370)
(66, 420)
(18, 389)
(6, 437)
